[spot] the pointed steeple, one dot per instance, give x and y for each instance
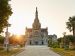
(36, 13)
(36, 16)
(36, 24)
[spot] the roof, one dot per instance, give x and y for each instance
(43, 30)
(29, 30)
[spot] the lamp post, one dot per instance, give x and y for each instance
(6, 41)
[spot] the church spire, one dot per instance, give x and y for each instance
(36, 16)
(36, 13)
(36, 24)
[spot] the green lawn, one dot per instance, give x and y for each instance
(63, 52)
(14, 51)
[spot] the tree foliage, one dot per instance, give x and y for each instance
(60, 40)
(1, 39)
(71, 24)
(5, 12)
(69, 38)
(17, 40)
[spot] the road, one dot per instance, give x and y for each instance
(37, 51)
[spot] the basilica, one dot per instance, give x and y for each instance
(37, 35)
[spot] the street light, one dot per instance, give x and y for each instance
(6, 41)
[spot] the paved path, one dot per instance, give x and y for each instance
(37, 51)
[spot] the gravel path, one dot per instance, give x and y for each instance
(37, 51)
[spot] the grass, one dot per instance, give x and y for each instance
(14, 51)
(63, 52)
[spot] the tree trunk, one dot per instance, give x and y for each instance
(74, 30)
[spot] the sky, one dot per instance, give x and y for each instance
(52, 14)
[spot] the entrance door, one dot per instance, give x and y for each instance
(42, 43)
(30, 42)
(36, 42)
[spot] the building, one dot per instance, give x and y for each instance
(37, 35)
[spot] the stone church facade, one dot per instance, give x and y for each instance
(37, 35)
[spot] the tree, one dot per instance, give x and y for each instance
(71, 24)
(71, 38)
(1, 39)
(69, 42)
(60, 40)
(5, 12)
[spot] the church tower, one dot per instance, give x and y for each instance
(36, 25)
(36, 35)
